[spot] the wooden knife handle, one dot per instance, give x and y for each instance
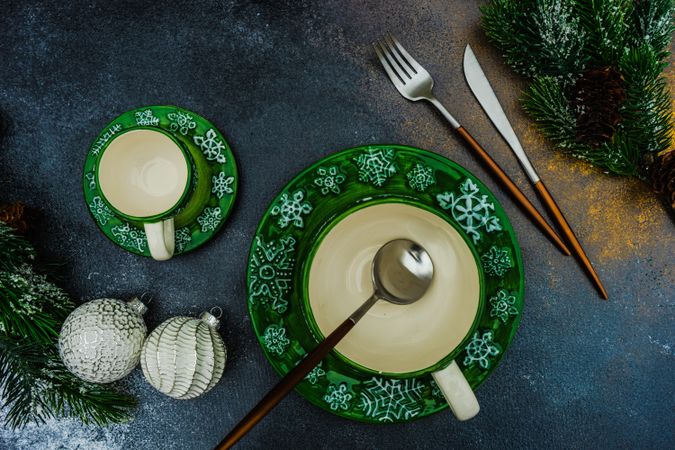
(510, 187)
(561, 222)
(285, 385)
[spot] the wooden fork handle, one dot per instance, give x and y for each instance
(286, 385)
(510, 187)
(561, 222)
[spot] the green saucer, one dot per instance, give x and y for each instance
(211, 199)
(310, 205)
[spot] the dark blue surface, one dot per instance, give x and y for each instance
(288, 83)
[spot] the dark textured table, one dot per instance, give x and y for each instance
(288, 83)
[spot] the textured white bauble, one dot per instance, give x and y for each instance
(101, 340)
(184, 357)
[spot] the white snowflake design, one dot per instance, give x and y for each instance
(387, 400)
(210, 219)
(91, 179)
(105, 137)
(271, 272)
(211, 146)
(316, 373)
(275, 339)
(130, 237)
(503, 305)
(376, 165)
(291, 208)
(338, 397)
(471, 210)
(146, 118)
(329, 179)
(222, 185)
(100, 210)
(481, 349)
(181, 122)
(421, 177)
(183, 238)
(496, 261)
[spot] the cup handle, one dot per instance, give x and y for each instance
(161, 239)
(457, 392)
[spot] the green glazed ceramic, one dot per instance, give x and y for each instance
(310, 205)
(210, 198)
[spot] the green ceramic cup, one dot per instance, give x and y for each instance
(400, 341)
(145, 175)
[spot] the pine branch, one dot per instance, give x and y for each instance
(36, 386)
(538, 38)
(604, 22)
(14, 250)
(652, 24)
(647, 109)
(31, 306)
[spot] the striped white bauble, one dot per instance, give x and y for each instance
(184, 357)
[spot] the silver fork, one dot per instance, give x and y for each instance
(415, 83)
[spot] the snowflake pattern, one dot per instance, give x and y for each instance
(421, 177)
(329, 179)
(211, 146)
(481, 349)
(503, 305)
(222, 185)
(130, 237)
(100, 210)
(436, 391)
(471, 209)
(146, 118)
(275, 339)
(496, 261)
(271, 272)
(291, 208)
(183, 238)
(105, 137)
(91, 179)
(338, 397)
(376, 165)
(181, 122)
(210, 219)
(316, 373)
(387, 400)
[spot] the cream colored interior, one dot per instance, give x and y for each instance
(143, 173)
(394, 338)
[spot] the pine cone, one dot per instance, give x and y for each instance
(662, 176)
(596, 98)
(14, 215)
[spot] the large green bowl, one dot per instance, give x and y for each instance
(310, 205)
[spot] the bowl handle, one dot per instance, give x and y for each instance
(457, 391)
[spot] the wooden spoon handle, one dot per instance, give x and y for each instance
(286, 385)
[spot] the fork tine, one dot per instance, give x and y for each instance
(398, 83)
(402, 74)
(406, 66)
(415, 65)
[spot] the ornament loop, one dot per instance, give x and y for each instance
(210, 320)
(138, 306)
(217, 315)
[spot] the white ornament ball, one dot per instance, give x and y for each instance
(184, 357)
(101, 340)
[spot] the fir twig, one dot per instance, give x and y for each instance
(36, 386)
(34, 383)
(14, 250)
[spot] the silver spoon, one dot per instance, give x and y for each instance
(402, 272)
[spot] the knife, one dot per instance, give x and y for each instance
(480, 86)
